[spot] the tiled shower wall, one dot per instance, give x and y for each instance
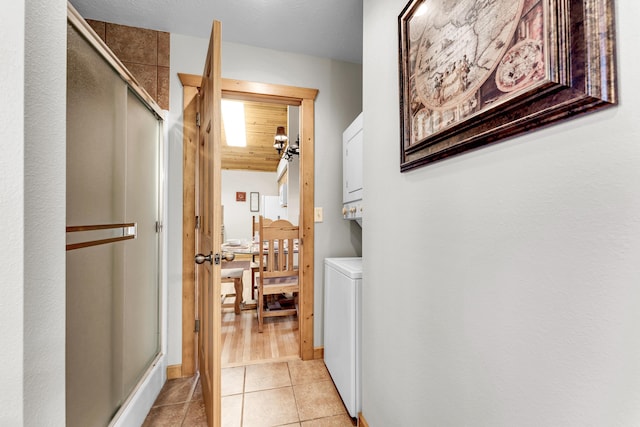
(144, 52)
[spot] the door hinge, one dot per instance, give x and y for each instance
(197, 326)
(197, 222)
(198, 119)
(158, 226)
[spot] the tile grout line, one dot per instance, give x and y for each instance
(293, 391)
(190, 399)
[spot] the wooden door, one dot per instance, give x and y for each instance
(209, 210)
(259, 92)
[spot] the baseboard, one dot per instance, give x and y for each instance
(318, 353)
(137, 406)
(361, 421)
(174, 371)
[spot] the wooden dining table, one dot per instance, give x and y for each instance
(249, 248)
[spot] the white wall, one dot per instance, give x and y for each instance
(520, 261)
(11, 212)
(45, 181)
(339, 101)
(32, 212)
(293, 169)
(237, 215)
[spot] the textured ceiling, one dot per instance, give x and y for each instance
(324, 28)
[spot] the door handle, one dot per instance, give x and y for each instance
(201, 258)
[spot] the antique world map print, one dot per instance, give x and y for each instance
(468, 56)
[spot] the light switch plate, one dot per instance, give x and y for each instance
(317, 215)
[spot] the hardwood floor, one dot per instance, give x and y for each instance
(242, 344)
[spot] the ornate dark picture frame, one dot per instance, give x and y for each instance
(473, 72)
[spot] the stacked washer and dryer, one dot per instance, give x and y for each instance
(343, 285)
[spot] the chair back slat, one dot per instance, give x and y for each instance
(277, 246)
(255, 224)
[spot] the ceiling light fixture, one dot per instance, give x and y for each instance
(292, 150)
(234, 123)
(280, 139)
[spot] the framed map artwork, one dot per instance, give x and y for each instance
(473, 72)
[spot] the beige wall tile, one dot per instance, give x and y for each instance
(164, 48)
(130, 44)
(163, 88)
(146, 75)
(98, 27)
(146, 53)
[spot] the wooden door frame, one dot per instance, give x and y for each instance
(262, 92)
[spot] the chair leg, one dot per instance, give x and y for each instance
(259, 304)
(237, 284)
(253, 282)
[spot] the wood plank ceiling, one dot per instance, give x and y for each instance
(261, 119)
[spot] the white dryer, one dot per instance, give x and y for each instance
(342, 328)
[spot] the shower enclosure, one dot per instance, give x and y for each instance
(114, 135)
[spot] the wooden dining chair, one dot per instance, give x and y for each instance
(255, 225)
(278, 273)
(232, 275)
(255, 229)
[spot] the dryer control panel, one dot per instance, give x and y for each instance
(352, 210)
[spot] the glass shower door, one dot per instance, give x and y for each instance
(112, 319)
(141, 336)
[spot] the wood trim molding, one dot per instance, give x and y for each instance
(255, 91)
(189, 144)
(318, 353)
(252, 91)
(192, 80)
(291, 95)
(307, 226)
(174, 371)
(361, 421)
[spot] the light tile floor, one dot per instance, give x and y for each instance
(284, 394)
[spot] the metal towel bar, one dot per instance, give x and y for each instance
(129, 231)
